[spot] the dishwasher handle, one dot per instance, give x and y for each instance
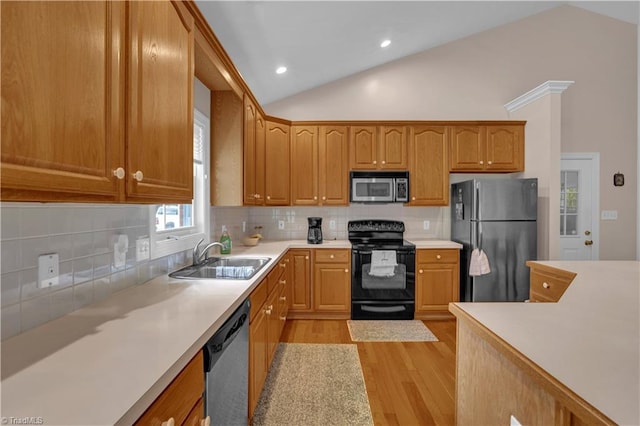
(222, 338)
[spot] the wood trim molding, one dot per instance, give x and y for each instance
(550, 384)
(548, 87)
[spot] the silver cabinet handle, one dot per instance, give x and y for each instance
(119, 173)
(138, 176)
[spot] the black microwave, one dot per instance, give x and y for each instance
(379, 187)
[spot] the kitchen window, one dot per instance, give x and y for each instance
(177, 227)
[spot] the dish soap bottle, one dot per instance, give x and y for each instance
(225, 240)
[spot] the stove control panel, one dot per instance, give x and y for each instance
(375, 225)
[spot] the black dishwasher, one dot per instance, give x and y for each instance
(226, 365)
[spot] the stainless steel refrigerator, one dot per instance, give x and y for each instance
(498, 216)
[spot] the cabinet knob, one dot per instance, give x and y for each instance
(384, 162)
(332, 256)
(315, 197)
(481, 162)
(545, 285)
(268, 197)
(346, 270)
(413, 198)
(324, 198)
(119, 173)
(283, 282)
(286, 260)
(283, 265)
(489, 162)
(170, 422)
(438, 257)
(421, 271)
(306, 258)
(267, 311)
(375, 162)
(257, 196)
(138, 176)
(283, 298)
(283, 318)
(206, 421)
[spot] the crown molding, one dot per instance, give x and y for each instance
(548, 87)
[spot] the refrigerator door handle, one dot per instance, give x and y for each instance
(478, 216)
(479, 238)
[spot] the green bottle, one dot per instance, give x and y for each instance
(225, 240)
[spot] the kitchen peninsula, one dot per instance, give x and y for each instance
(576, 361)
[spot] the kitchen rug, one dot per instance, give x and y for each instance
(390, 331)
(314, 384)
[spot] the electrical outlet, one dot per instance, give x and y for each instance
(142, 249)
(244, 226)
(332, 224)
(281, 224)
(48, 270)
(426, 224)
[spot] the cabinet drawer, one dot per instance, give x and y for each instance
(179, 398)
(276, 275)
(258, 297)
(332, 256)
(438, 255)
(547, 287)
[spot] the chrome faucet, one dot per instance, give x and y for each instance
(201, 256)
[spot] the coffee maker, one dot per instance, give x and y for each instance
(314, 234)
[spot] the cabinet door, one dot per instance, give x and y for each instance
(332, 287)
(277, 164)
(334, 166)
(160, 102)
(249, 155)
(505, 148)
(436, 286)
(304, 165)
(393, 148)
(363, 151)
(257, 357)
(261, 134)
(467, 148)
(62, 100)
(300, 288)
(429, 166)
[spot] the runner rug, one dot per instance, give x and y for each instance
(314, 384)
(390, 331)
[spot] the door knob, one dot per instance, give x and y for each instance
(588, 242)
(587, 232)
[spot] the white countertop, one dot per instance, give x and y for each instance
(589, 340)
(106, 363)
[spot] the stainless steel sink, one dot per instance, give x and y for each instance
(230, 268)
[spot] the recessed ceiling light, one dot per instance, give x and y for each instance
(281, 70)
(385, 43)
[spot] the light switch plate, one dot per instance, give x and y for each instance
(142, 249)
(426, 225)
(609, 215)
(48, 270)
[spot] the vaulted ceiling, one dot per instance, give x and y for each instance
(322, 41)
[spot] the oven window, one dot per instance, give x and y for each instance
(397, 279)
(373, 189)
(384, 283)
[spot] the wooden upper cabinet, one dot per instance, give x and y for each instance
(363, 151)
(334, 166)
(304, 165)
(62, 100)
(249, 156)
(65, 136)
(392, 151)
(467, 148)
(489, 148)
(505, 148)
(429, 166)
(378, 147)
(276, 164)
(160, 102)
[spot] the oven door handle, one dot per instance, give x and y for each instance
(362, 251)
(385, 309)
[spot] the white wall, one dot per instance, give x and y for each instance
(474, 77)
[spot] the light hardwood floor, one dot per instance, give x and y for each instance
(408, 383)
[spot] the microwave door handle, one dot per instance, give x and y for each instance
(393, 189)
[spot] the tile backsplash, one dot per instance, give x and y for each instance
(83, 235)
(295, 220)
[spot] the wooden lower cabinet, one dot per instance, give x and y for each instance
(269, 307)
(300, 288)
(181, 400)
(332, 281)
(437, 282)
(548, 284)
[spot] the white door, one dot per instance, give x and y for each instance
(579, 195)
